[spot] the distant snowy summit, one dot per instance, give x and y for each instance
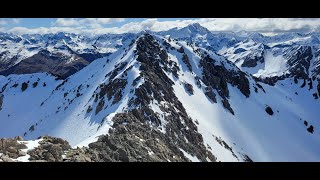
(186, 94)
(63, 54)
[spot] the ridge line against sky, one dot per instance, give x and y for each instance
(95, 26)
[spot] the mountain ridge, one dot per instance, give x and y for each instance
(194, 102)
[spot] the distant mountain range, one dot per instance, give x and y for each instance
(186, 94)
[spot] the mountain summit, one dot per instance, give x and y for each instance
(196, 96)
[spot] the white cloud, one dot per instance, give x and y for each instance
(66, 22)
(262, 24)
(92, 26)
(109, 20)
(3, 22)
(44, 30)
(86, 22)
(16, 20)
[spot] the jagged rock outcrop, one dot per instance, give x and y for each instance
(252, 60)
(158, 87)
(186, 60)
(217, 77)
(50, 149)
(45, 61)
(11, 148)
(146, 96)
(130, 141)
(299, 61)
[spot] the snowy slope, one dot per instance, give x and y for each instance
(20, 109)
(252, 130)
(74, 48)
(60, 114)
(232, 121)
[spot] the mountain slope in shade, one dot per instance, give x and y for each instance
(65, 53)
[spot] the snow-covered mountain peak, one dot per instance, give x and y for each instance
(178, 95)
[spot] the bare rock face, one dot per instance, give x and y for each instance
(299, 61)
(156, 87)
(50, 149)
(79, 155)
(44, 61)
(251, 61)
(218, 77)
(5, 158)
(11, 147)
(185, 59)
(18, 138)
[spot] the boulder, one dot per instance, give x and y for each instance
(188, 87)
(269, 110)
(310, 129)
(24, 86)
(21, 153)
(18, 138)
(6, 158)
(50, 149)
(11, 147)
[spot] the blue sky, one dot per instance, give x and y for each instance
(121, 25)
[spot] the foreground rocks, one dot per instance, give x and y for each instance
(11, 148)
(125, 143)
(50, 149)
